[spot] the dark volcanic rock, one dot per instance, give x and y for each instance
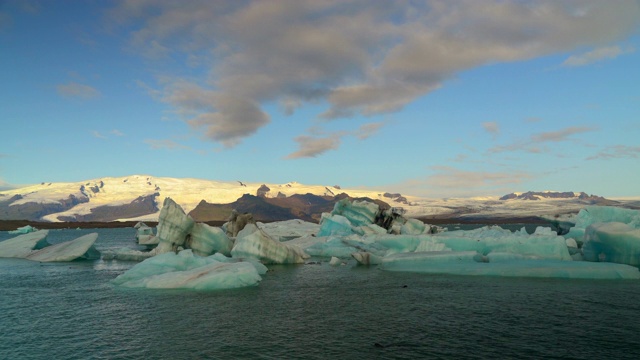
(263, 190)
(306, 207)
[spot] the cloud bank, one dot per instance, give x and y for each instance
(355, 57)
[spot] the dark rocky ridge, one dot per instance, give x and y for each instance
(306, 207)
(537, 195)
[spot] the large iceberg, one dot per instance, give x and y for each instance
(612, 242)
(472, 263)
(206, 240)
(188, 271)
(34, 246)
(601, 214)
(81, 247)
(21, 246)
(174, 227)
(253, 242)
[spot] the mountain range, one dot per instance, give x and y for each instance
(140, 197)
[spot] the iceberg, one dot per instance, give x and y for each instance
(81, 247)
(253, 242)
(206, 240)
(21, 246)
(173, 227)
(333, 247)
(544, 243)
(23, 230)
(612, 242)
(289, 229)
(472, 263)
(601, 214)
(188, 271)
(34, 246)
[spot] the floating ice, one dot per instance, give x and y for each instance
(186, 271)
(21, 246)
(365, 258)
(253, 242)
(612, 242)
(336, 225)
(289, 229)
(358, 212)
(333, 247)
(472, 263)
(81, 247)
(173, 227)
(23, 230)
(602, 214)
(206, 240)
(542, 244)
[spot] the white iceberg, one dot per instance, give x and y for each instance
(173, 227)
(80, 248)
(253, 242)
(205, 240)
(21, 246)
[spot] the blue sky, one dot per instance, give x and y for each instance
(433, 98)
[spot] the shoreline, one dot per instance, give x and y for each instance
(9, 225)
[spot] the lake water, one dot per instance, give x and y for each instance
(71, 311)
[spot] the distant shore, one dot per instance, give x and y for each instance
(8, 225)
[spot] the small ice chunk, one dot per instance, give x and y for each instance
(335, 261)
(23, 230)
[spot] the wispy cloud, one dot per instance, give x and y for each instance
(367, 130)
(98, 135)
(457, 182)
(492, 128)
(595, 55)
(116, 132)
(617, 152)
(359, 57)
(165, 144)
(77, 90)
(535, 143)
(310, 146)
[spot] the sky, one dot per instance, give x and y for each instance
(424, 98)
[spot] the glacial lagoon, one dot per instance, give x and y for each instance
(72, 310)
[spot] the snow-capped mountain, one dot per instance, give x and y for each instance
(140, 198)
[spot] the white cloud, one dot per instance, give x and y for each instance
(595, 55)
(77, 90)
(117, 132)
(358, 57)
